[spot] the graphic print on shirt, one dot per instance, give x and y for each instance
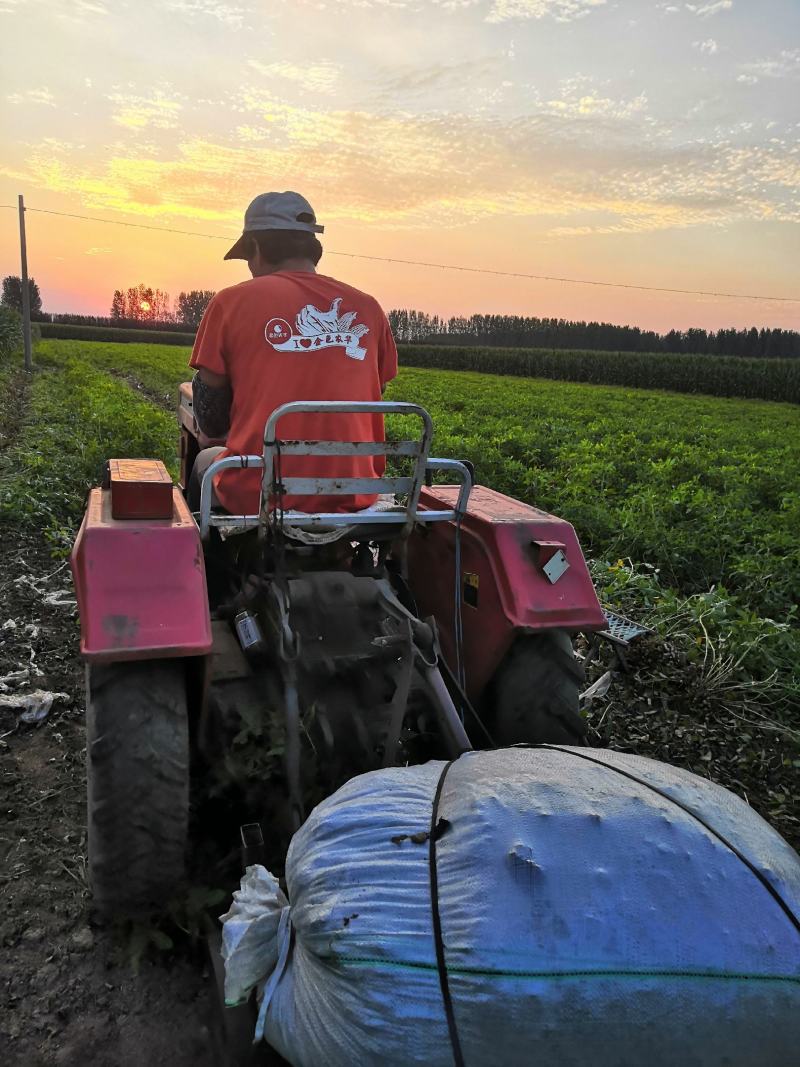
(315, 329)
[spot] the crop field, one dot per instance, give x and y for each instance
(717, 375)
(688, 508)
(687, 505)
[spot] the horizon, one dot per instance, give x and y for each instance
(431, 314)
(594, 139)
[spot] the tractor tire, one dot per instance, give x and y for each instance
(536, 692)
(137, 769)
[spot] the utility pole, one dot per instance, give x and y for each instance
(26, 293)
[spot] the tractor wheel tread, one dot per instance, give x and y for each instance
(138, 784)
(536, 692)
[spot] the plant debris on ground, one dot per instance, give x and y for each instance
(70, 992)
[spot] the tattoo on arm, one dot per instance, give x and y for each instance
(212, 407)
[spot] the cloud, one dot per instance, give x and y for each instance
(747, 79)
(499, 10)
(137, 112)
(231, 15)
(708, 47)
(579, 101)
(33, 96)
(73, 11)
(713, 7)
(319, 77)
(583, 162)
(560, 10)
(414, 79)
(786, 64)
(98, 251)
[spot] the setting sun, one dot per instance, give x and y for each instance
(144, 306)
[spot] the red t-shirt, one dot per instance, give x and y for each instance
(296, 335)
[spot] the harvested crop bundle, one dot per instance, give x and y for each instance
(523, 906)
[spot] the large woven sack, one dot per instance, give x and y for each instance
(594, 908)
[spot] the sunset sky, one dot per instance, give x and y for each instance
(654, 143)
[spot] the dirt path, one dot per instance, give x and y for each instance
(69, 992)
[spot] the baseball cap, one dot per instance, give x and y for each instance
(276, 211)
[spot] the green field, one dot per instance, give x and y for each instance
(689, 506)
(761, 379)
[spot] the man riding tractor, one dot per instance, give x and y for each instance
(304, 617)
(287, 334)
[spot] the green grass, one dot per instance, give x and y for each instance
(765, 379)
(158, 368)
(706, 490)
(78, 417)
(701, 494)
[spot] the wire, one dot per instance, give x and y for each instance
(439, 266)
(569, 281)
(117, 222)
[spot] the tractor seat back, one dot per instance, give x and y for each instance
(391, 520)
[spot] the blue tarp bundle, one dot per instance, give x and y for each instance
(595, 908)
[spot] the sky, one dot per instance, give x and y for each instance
(648, 143)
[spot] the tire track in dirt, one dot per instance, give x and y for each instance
(69, 993)
(14, 405)
(162, 400)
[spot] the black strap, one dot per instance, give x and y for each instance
(458, 1058)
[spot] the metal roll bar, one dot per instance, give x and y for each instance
(275, 448)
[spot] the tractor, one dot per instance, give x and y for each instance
(437, 620)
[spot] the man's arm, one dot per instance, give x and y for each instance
(212, 397)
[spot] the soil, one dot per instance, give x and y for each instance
(70, 992)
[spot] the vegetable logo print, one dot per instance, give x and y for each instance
(315, 329)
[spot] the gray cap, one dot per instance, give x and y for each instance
(276, 211)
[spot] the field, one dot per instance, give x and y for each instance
(764, 379)
(686, 504)
(688, 507)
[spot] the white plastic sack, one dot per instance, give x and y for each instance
(585, 918)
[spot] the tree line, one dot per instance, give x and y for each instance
(139, 305)
(523, 331)
(143, 306)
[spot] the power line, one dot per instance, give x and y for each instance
(570, 281)
(438, 266)
(117, 222)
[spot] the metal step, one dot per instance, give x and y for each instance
(621, 630)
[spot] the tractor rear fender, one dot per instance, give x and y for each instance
(140, 583)
(507, 551)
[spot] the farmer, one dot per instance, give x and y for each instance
(287, 334)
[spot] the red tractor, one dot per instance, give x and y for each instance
(437, 620)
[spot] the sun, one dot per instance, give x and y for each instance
(144, 306)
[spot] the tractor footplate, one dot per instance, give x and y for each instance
(618, 633)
